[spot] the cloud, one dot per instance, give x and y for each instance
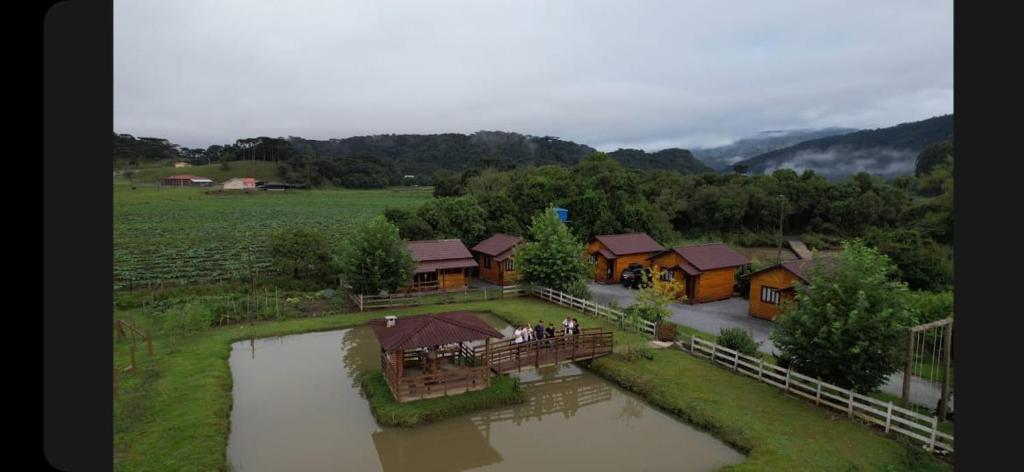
(650, 74)
(842, 161)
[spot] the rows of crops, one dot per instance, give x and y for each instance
(187, 236)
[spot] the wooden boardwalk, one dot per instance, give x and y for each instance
(506, 356)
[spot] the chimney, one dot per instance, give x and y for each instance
(391, 320)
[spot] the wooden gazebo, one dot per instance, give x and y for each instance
(427, 356)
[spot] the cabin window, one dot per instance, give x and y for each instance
(425, 277)
(667, 275)
(487, 262)
(509, 265)
(770, 295)
(593, 259)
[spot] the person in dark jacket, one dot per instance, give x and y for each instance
(539, 330)
(549, 333)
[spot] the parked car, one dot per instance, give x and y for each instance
(636, 276)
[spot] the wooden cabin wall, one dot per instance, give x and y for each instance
(717, 284)
(776, 278)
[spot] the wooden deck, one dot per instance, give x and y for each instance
(506, 356)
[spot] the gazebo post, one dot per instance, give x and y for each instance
(398, 378)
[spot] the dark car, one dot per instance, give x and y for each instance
(636, 276)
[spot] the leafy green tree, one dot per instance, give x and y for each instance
(455, 217)
(551, 257)
(301, 252)
(920, 262)
(448, 184)
(933, 156)
(849, 323)
(374, 258)
(410, 225)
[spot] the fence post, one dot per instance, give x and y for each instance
(692, 343)
(817, 397)
(735, 360)
(760, 368)
(360, 303)
(888, 417)
(935, 430)
(849, 405)
(787, 379)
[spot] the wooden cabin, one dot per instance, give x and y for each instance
(186, 180)
(770, 286)
(613, 253)
(427, 356)
(708, 271)
(495, 258)
(443, 264)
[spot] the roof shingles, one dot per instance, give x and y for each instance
(629, 243)
(432, 330)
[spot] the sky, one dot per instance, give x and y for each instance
(639, 74)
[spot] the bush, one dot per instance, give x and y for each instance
(738, 339)
(818, 241)
(931, 306)
(634, 352)
(666, 331)
(579, 289)
(301, 252)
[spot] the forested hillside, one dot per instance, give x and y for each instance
(722, 158)
(886, 151)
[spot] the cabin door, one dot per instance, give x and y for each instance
(610, 275)
(691, 287)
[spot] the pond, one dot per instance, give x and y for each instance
(297, 407)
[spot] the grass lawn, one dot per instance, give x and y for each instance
(185, 234)
(174, 412)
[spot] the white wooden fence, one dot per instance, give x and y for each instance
(370, 302)
(888, 416)
(586, 306)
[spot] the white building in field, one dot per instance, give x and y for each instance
(182, 164)
(240, 183)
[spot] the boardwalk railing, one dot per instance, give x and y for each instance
(618, 317)
(886, 415)
(507, 356)
(371, 302)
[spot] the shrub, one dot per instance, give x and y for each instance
(579, 289)
(738, 339)
(301, 252)
(666, 331)
(818, 241)
(374, 258)
(634, 352)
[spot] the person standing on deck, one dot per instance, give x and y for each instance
(565, 325)
(549, 333)
(538, 331)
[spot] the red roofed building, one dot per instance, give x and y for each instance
(495, 257)
(240, 183)
(770, 286)
(613, 253)
(443, 264)
(708, 271)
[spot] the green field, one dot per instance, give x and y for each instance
(174, 412)
(191, 235)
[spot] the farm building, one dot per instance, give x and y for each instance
(613, 253)
(182, 164)
(770, 286)
(443, 264)
(240, 183)
(708, 271)
(495, 258)
(428, 356)
(185, 180)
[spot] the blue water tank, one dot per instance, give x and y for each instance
(563, 214)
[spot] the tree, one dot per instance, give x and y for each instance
(849, 323)
(301, 252)
(374, 258)
(932, 156)
(551, 257)
(920, 262)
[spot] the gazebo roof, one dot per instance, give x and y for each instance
(411, 332)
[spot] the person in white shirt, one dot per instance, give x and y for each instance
(565, 326)
(518, 333)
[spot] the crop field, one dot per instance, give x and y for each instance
(189, 236)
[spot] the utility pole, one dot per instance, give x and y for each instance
(782, 211)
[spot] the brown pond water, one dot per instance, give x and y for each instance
(296, 407)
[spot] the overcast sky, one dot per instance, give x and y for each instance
(643, 74)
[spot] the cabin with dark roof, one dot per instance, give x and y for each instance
(771, 286)
(496, 259)
(708, 271)
(427, 356)
(611, 254)
(443, 264)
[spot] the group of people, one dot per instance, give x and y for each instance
(526, 334)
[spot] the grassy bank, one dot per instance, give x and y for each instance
(174, 412)
(504, 390)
